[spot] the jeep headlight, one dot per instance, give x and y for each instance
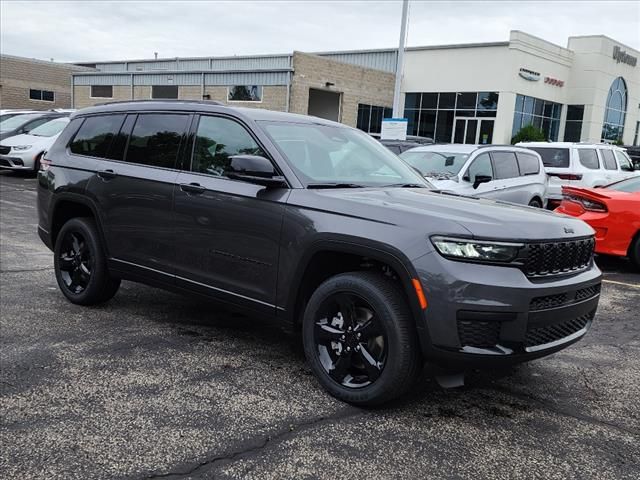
(476, 250)
(20, 148)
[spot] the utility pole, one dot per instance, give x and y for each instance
(400, 60)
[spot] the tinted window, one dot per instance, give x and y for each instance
(505, 165)
(155, 139)
(553, 157)
(609, 161)
(588, 158)
(101, 91)
(164, 91)
(217, 140)
(95, 135)
(528, 163)
(480, 166)
(119, 143)
(631, 185)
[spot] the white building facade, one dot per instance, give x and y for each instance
(484, 93)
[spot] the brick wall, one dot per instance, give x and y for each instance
(19, 75)
(356, 84)
(273, 97)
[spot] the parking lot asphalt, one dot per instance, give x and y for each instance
(155, 385)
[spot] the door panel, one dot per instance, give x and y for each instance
(229, 230)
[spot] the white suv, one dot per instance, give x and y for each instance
(581, 164)
(504, 173)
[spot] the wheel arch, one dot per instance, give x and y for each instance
(69, 205)
(329, 257)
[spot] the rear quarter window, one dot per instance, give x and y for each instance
(95, 135)
(609, 161)
(553, 157)
(528, 163)
(588, 158)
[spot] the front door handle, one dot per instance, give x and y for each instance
(107, 174)
(192, 188)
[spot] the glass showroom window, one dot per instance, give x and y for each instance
(539, 113)
(615, 111)
(370, 117)
(245, 93)
(432, 114)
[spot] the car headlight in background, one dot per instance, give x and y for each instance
(476, 250)
(20, 148)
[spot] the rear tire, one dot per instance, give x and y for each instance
(535, 203)
(36, 164)
(634, 251)
(81, 265)
(359, 338)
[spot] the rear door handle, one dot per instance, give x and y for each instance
(107, 174)
(192, 188)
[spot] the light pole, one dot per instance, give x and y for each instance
(400, 60)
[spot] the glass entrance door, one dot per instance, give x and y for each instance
(473, 130)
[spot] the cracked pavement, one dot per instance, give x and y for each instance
(155, 385)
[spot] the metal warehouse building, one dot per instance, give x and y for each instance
(351, 87)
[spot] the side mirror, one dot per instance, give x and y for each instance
(481, 179)
(254, 169)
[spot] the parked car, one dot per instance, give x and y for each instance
(5, 114)
(317, 224)
(24, 123)
(581, 165)
(23, 152)
(612, 211)
(633, 151)
(498, 172)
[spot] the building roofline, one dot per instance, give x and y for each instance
(94, 73)
(173, 59)
(607, 37)
(72, 66)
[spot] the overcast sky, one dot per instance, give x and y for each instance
(108, 30)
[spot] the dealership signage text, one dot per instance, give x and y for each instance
(622, 56)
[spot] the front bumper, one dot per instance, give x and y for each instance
(483, 316)
(16, 162)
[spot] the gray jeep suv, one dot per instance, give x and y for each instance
(319, 225)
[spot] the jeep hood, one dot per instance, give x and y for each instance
(433, 213)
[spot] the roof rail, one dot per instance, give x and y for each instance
(165, 100)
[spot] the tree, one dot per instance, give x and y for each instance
(529, 133)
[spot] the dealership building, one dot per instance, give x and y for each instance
(469, 93)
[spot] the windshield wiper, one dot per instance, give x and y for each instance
(334, 185)
(405, 185)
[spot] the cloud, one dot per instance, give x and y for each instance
(101, 30)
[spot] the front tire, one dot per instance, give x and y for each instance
(80, 264)
(360, 340)
(634, 251)
(536, 203)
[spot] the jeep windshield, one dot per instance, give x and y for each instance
(325, 156)
(435, 164)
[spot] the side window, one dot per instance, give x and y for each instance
(588, 158)
(623, 160)
(505, 165)
(481, 165)
(529, 164)
(609, 161)
(95, 135)
(119, 142)
(35, 123)
(156, 138)
(217, 140)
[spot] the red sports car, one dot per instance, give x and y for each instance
(612, 211)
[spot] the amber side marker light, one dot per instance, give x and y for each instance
(419, 293)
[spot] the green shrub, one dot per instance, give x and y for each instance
(529, 133)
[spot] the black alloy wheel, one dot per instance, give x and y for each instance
(76, 262)
(350, 340)
(81, 265)
(360, 339)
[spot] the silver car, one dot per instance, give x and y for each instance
(505, 173)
